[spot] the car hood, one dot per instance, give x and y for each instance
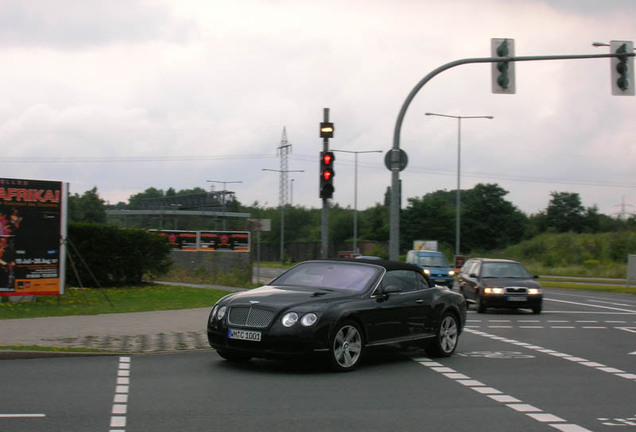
(511, 282)
(280, 297)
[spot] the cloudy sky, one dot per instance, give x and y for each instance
(127, 95)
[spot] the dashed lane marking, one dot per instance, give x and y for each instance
(499, 396)
(584, 362)
(120, 401)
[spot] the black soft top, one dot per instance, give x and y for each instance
(388, 265)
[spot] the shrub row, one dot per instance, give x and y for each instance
(102, 255)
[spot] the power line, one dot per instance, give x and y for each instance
(489, 176)
(129, 159)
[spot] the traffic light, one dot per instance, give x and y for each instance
(326, 174)
(622, 68)
(326, 130)
(503, 72)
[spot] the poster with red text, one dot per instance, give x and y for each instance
(32, 226)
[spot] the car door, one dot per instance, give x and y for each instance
(394, 316)
(415, 302)
(469, 285)
(422, 319)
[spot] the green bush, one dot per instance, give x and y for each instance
(570, 254)
(102, 255)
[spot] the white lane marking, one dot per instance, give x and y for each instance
(22, 415)
(565, 312)
(120, 401)
(611, 303)
(498, 396)
(595, 306)
(584, 362)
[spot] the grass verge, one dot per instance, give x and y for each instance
(83, 301)
(589, 287)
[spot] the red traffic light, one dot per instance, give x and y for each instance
(327, 174)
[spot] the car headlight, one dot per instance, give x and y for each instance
(221, 312)
(309, 319)
(213, 314)
(451, 273)
(427, 272)
(534, 291)
(489, 290)
(289, 319)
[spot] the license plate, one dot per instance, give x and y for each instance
(517, 298)
(246, 335)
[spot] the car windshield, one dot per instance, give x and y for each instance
(330, 275)
(504, 270)
(432, 261)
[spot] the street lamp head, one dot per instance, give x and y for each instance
(600, 44)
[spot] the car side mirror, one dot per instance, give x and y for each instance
(391, 289)
(473, 275)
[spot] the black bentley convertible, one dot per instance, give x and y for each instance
(341, 308)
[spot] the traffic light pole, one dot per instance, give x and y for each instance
(324, 225)
(394, 233)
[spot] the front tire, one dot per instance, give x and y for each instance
(346, 347)
(481, 304)
(446, 338)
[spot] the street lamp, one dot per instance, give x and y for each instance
(355, 193)
(282, 216)
(459, 147)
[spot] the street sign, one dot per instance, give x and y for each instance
(402, 161)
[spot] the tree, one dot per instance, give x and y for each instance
(134, 202)
(87, 208)
(490, 222)
(431, 217)
(564, 213)
(374, 223)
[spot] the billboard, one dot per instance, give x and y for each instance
(182, 240)
(32, 226)
(227, 241)
(236, 241)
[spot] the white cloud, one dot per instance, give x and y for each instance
(201, 90)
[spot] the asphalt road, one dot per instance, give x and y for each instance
(572, 369)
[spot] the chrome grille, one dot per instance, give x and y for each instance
(250, 316)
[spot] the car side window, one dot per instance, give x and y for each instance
(422, 281)
(406, 280)
(476, 268)
(467, 267)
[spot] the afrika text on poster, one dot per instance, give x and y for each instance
(32, 224)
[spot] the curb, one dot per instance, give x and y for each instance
(26, 355)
